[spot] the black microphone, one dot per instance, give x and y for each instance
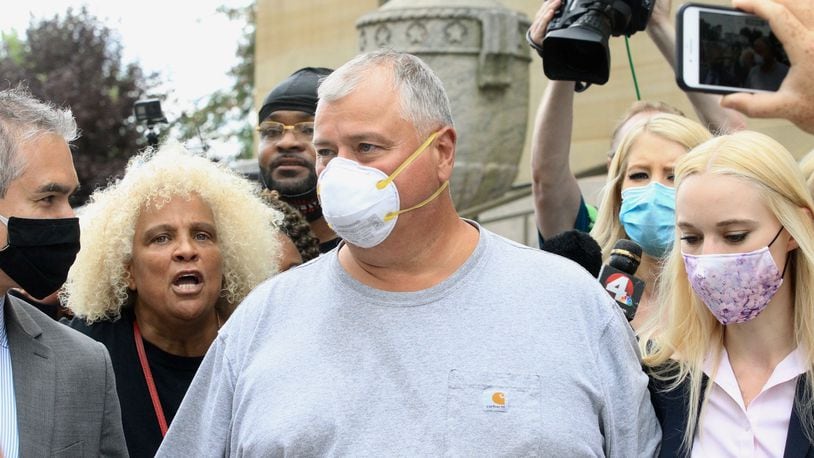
(577, 246)
(619, 279)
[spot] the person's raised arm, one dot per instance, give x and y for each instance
(556, 191)
(661, 30)
(792, 21)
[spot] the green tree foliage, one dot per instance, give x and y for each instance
(74, 60)
(225, 113)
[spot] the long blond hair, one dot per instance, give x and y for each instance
(683, 333)
(678, 129)
(807, 166)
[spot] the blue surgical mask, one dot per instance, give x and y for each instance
(648, 214)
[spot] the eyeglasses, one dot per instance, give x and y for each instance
(272, 130)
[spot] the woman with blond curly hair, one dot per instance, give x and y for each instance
(731, 352)
(638, 198)
(167, 252)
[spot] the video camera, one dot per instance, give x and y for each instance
(149, 111)
(575, 47)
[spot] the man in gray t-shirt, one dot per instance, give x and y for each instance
(423, 334)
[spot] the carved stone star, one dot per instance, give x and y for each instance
(455, 32)
(416, 33)
(382, 36)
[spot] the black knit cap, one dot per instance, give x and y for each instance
(298, 92)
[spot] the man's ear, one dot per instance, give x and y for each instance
(445, 150)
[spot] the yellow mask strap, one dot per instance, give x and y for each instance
(391, 215)
(383, 183)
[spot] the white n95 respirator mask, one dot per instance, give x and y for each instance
(361, 203)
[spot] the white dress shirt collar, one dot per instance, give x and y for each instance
(728, 428)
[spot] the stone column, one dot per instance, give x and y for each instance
(478, 49)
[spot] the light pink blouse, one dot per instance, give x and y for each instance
(728, 429)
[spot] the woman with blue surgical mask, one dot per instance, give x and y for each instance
(730, 350)
(638, 202)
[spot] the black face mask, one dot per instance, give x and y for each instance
(39, 252)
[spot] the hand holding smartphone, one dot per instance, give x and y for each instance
(723, 50)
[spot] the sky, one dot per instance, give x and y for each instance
(189, 44)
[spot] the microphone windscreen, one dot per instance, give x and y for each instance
(626, 255)
(577, 246)
(628, 245)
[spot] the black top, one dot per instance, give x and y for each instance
(172, 375)
(329, 245)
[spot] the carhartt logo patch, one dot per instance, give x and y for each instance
(494, 400)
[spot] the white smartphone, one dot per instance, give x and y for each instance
(723, 50)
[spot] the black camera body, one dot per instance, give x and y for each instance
(149, 111)
(575, 47)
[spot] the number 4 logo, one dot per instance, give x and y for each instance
(620, 287)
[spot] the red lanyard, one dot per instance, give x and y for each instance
(148, 377)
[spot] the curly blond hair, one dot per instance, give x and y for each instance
(97, 289)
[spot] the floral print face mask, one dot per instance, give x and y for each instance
(735, 287)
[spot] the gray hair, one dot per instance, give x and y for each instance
(424, 101)
(23, 118)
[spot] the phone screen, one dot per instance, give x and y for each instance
(734, 51)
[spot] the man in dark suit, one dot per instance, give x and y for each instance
(57, 389)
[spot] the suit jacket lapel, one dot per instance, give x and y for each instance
(671, 409)
(34, 372)
(796, 442)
